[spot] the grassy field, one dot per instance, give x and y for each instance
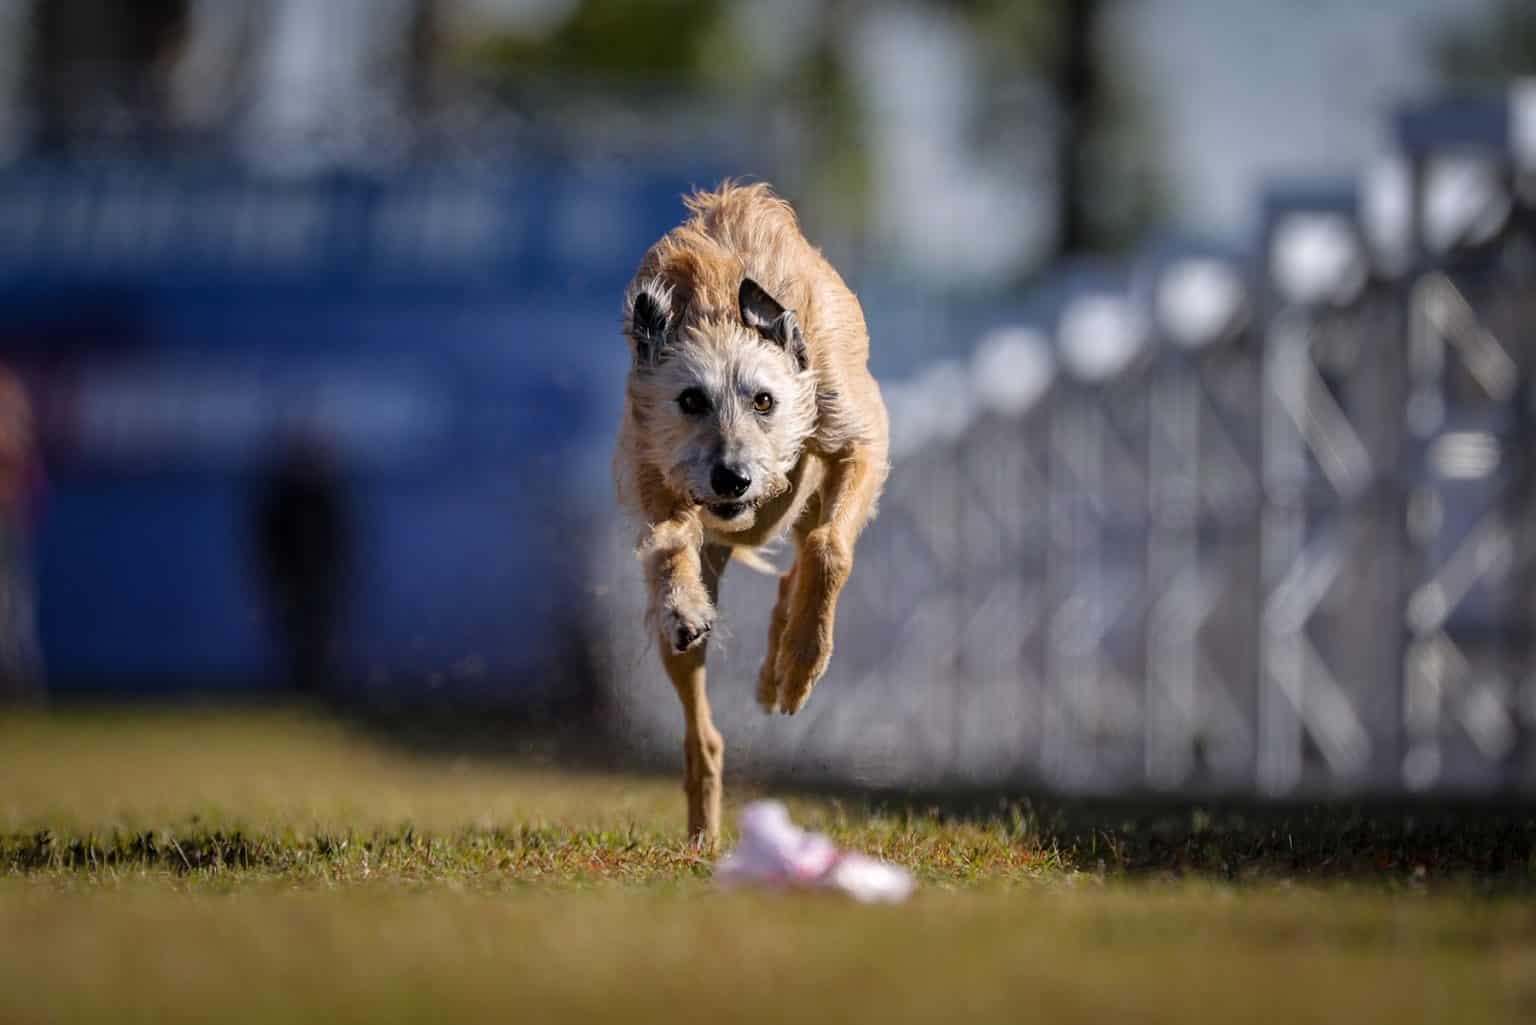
(187, 866)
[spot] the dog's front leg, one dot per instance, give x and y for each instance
(703, 747)
(821, 569)
(684, 576)
(681, 606)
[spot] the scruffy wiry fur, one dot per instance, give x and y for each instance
(749, 353)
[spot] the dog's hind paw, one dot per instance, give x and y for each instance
(768, 687)
(684, 630)
(796, 690)
(802, 659)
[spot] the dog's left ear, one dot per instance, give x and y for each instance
(765, 315)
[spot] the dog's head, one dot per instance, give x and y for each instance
(723, 403)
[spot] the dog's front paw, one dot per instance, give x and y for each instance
(804, 652)
(686, 627)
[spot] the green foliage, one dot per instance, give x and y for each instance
(1015, 37)
(1491, 51)
(697, 46)
(1122, 190)
(661, 40)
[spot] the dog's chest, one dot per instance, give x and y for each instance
(778, 516)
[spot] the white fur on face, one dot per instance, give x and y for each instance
(731, 365)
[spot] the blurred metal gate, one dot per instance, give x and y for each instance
(1209, 523)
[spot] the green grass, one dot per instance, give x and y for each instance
(197, 866)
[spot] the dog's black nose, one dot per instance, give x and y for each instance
(729, 482)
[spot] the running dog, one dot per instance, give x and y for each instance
(749, 414)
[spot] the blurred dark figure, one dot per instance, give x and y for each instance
(304, 542)
(21, 678)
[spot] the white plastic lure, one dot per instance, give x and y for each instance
(776, 854)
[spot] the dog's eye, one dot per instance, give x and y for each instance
(693, 402)
(763, 402)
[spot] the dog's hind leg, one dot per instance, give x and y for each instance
(767, 678)
(703, 747)
(822, 565)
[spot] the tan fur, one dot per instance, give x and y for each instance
(817, 462)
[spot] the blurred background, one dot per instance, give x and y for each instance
(1206, 328)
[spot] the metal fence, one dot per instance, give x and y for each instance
(1214, 521)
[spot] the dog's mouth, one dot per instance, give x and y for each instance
(727, 511)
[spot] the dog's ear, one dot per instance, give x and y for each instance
(765, 315)
(650, 318)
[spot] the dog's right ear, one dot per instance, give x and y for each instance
(649, 320)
